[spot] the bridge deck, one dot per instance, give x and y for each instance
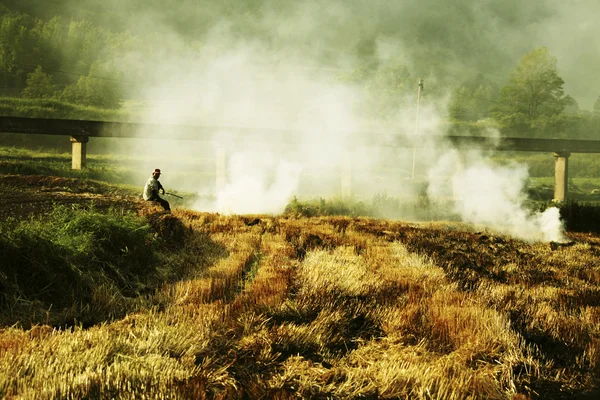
(82, 128)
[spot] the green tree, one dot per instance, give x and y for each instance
(99, 89)
(468, 104)
(597, 106)
(39, 85)
(460, 105)
(534, 89)
(14, 49)
(84, 43)
(570, 105)
(50, 38)
(389, 89)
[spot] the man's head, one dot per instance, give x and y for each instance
(156, 173)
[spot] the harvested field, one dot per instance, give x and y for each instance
(22, 195)
(324, 307)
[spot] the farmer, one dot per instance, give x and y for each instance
(151, 190)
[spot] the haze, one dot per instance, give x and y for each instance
(293, 65)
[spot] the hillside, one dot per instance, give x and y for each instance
(323, 307)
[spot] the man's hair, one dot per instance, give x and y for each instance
(156, 171)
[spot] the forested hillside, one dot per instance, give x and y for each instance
(488, 64)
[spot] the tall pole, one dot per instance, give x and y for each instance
(419, 90)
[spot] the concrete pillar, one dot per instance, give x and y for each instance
(346, 175)
(221, 170)
(78, 151)
(561, 170)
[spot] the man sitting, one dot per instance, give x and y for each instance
(151, 190)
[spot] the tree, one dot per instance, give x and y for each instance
(570, 105)
(50, 42)
(39, 85)
(468, 104)
(597, 106)
(534, 89)
(14, 49)
(98, 89)
(461, 104)
(389, 89)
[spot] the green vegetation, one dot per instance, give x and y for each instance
(52, 108)
(381, 206)
(534, 89)
(75, 265)
(91, 55)
(22, 161)
(104, 172)
(578, 216)
(53, 162)
(322, 207)
(81, 265)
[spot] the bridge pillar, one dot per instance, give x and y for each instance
(78, 151)
(561, 169)
(221, 170)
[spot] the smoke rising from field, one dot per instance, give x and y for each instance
(285, 78)
(493, 196)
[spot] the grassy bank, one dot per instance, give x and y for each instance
(77, 265)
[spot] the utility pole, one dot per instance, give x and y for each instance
(419, 90)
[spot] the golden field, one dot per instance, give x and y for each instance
(338, 308)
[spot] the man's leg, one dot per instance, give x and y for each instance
(165, 204)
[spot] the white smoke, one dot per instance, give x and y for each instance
(303, 116)
(258, 183)
(493, 195)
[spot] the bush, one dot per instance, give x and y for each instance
(322, 207)
(61, 261)
(382, 206)
(580, 217)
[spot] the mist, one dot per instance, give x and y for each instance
(284, 80)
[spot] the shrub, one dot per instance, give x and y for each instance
(59, 262)
(322, 207)
(580, 217)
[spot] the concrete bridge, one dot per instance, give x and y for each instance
(80, 131)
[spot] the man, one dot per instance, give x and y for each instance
(151, 190)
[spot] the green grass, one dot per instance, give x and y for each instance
(45, 108)
(579, 189)
(122, 171)
(21, 161)
(379, 206)
(79, 265)
(541, 165)
(60, 261)
(105, 168)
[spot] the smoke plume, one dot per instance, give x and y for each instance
(286, 82)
